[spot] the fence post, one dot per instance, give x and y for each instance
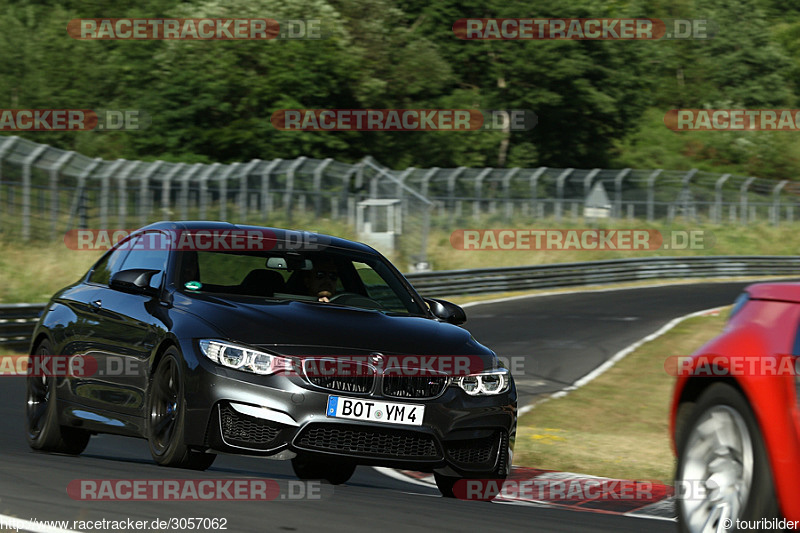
(426, 179)
(776, 202)
(105, 190)
(476, 204)
(183, 196)
(534, 185)
(618, 179)
(287, 195)
(686, 194)
(54, 203)
(587, 190)
(509, 211)
(8, 144)
(359, 170)
(166, 189)
(122, 190)
(451, 186)
(243, 177)
(266, 198)
(144, 200)
(77, 201)
(560, 181)
(223, 190)
(346, 190)
(317, 185)
(743, 198)
(587, 182)
(203, 199)
(718, 197)
(651, 193)
(401, 180)
(26, 189)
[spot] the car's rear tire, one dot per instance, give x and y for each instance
(313, 467)
(722, 449)
(166, 416)
(42, 429)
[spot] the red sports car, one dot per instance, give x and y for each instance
(735, 419)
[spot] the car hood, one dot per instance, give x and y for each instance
(300, 328)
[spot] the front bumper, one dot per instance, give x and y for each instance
(238, 412)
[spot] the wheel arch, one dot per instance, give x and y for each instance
(691, 391)
(158, 353)
(38, 338)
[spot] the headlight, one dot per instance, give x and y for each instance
(243, 358)
(486, 383)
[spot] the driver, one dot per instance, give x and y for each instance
(322, 279)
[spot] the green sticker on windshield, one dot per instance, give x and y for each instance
(193, 285)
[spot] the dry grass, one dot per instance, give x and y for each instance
(34, 272)
(617, 425)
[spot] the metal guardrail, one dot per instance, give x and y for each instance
(488, 280)
(16, 324)
(18, 320)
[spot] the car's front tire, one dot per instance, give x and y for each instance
(723, 471)
(43, 431)
(313, 467)
(166, 416)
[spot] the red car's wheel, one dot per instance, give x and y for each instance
(723, 473)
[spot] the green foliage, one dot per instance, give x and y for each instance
(599, 103)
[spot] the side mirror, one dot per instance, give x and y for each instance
(447, 311)
(134, 280)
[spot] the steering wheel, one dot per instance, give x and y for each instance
(356, 300)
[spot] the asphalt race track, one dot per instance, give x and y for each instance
(562, 337)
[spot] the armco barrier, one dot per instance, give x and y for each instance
(18, 320)
(488, 280)
(16, 324)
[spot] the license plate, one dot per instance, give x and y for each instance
(375, 411)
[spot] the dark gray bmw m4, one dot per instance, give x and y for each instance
(209, 337)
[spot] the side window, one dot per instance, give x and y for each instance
(148, 252)
(108, 265)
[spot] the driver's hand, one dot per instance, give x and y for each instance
(324, 296)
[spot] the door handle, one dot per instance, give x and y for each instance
(97, 305)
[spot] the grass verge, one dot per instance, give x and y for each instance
(31, 272)
(617, 425)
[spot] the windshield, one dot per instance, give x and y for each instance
(332, 277)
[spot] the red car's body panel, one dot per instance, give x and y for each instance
(765, 327)
(787, 292)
